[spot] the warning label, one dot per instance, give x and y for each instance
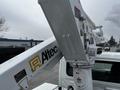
(35, 63)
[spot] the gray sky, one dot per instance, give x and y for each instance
(26, 19)
(106, 13)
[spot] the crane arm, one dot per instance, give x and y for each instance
(18, 72)
(67, 21)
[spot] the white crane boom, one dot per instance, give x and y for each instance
(65, 18)
(18, 72)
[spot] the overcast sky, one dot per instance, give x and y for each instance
(105, 13)
(26, 19)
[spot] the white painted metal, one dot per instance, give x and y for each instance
(16, 73)
(61, 19)
(109, 57)
(47, 86)
(65, 80)
(65, 18)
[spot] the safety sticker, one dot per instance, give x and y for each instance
(35, 63)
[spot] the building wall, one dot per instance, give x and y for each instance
(18, 43)
(11, 47)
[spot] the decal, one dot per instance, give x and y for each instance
(49, 53)
(20, 75)
(35, 63)
(46, 55)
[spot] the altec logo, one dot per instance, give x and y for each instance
(48, 53)
(36, 62)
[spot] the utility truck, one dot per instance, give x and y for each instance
(74, 40)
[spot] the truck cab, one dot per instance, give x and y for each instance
(105, 72)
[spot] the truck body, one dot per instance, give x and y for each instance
(105, 72)
(74, 39)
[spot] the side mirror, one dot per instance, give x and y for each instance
(99, 50)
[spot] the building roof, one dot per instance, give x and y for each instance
(19, 40)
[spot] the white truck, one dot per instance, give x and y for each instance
(105, 72)
(75, 41)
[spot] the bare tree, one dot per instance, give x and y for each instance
(3, 26)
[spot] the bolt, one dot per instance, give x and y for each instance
(79, 80)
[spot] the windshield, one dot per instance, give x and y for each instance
(105, 71)
(102, 71)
